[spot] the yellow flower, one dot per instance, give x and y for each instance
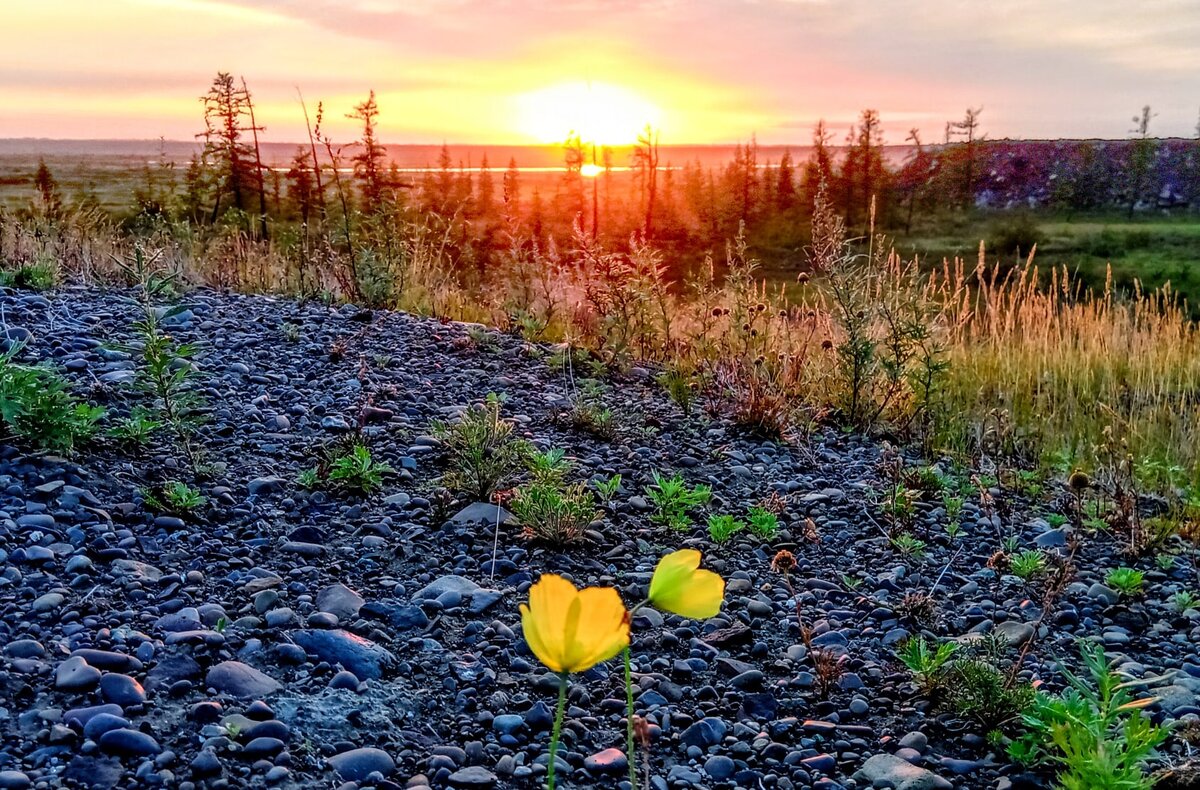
(572, 630)
(679, 586)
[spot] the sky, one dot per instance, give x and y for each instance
(512, 71)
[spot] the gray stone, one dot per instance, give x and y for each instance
(888, 770)
(357, 764)
(367, 660)
(240, 680)
(340, 601)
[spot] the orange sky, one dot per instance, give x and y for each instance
(510, 71)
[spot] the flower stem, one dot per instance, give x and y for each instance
(629, 721)
(558, 720)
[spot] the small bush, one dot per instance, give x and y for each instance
(30, 277)
(553, 513)
(979, 691)
(925, 662)
(673, 499)
(357, 471)
(483, 453)
(173, 497)
(136, 429)
(763, 523)
(37, 407)
(723, 527)
(1028, 564)
(1126, 581)
(1094, 732)
(1014, 235)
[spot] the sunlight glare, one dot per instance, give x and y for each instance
(600, 113)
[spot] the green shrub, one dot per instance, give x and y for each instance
(136, 429)
(173, 497)
(357, 471)
(554, 513)
(484, 455)
(1028, 564)
(1127, 581)
(1094, 732)
(763, 523)
(1015, 234)
(37, 407)
(673, 499)
(925, 662)
(607, 489)
(551, 466)
(31, 277)
(979, 691)
(723, 527)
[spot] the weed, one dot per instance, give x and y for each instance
(1094, 732)
(290, 332)
(723, 527)
(357, 471)
(551, 466)
(308, 479)
(30, 277)
(607, 489)
(1184, 600)
(484, 455)
(554, 513)
(1126, 581)
(673, 499)
(1056, 520)
(919, 607)
(588, 412)
(136, 429)
(908, 545)
(173, 497)
(681, 387)
(1165, 562)
(37, 407)
(925, 662)
(763, 523)
(979, 691)
(1027, 564)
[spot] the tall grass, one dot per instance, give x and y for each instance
(1020, 364)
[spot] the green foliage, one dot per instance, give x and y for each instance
(588, 412)
(979, 691)
(1127, 581)
(1055, 520)
(484, 455)
(607, 489)
(1184, 600)
(908, 545)
(357, 471)
(926, 662)
(308, 479)
(1015, 234)
(136, 429)
(673, 499)
(1028, 564)
(680, 387)
(762, 522)
(552, 512)
(1094, 732)
(551, 466)
(40, 276)
(723, 527)
(175, 497)
(37, 407)
(290, 332)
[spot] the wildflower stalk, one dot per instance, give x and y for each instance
(554, 735)
(629, 698)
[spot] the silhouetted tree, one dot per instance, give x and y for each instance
(369, 161)
(819, 167)
(1141, 156)
(968, 131)
(47, 188)
(226, 110)
(785, 182)
(302, 188)
(645, 158)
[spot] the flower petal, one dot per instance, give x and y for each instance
(679, 586)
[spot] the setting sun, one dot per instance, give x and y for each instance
(598, 112)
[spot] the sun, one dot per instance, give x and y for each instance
(599, 113)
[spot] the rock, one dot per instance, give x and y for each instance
(129, 743)
(608, 761)
(240, 680)
(719, 767)
(888, 770)
(1014, 632)
(367, 660)
(121, 690)
(473, 776)
(704, 733)
(340, 601)
(75, 674)
(265, 485)
(14, 780)
(482, 513)
(450, 583)
(1105, 595)
(357, 764)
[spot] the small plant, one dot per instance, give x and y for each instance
(588, 412)
(919, 607)
(40, 276)
(908, 545)
(381, 361)
(308, 479)
(290, 332)
(357, 471)
(1094, 732)
(173, 497)
(1184, 600)
(763, 523)
(1056, 520)
(551, 466)
(553, 513)
(925, 662)
(481, 338)
(900, 505)
(1126, 581)
(680, 387)
(851, 583)
(607, 489)
(36, 406)
(484, 455)
(723, 527)
(1027, 564)
(673, 498)
(979, 691)
(1010, 544)
(136, 429)
(954, 530)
